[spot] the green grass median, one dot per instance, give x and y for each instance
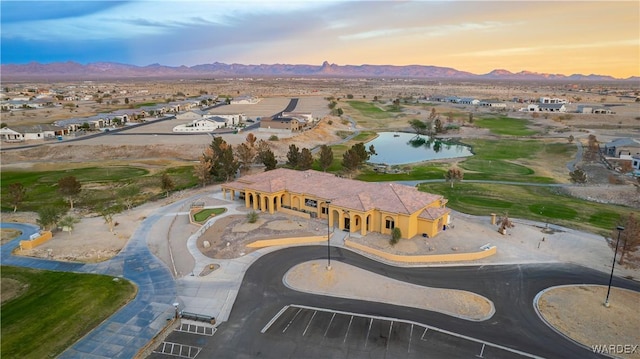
(51, 310)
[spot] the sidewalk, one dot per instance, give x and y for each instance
(123, 334)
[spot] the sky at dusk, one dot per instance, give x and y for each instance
(563, 37)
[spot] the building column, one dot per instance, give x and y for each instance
(270, 204)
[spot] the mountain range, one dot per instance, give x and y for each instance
(110, 70)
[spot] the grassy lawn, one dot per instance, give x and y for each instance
(204, 214)
(370, 110)
(56, 310)
(493, 160)
(498, 159)
(98, 184)
(506, 126)
(422, 172)
(535, 203)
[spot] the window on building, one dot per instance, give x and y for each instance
(389, 224)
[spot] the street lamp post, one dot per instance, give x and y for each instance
(615, 253)
(328, 237)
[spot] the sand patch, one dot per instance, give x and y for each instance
(578, 312)
(346, 281)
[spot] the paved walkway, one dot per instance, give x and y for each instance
(123, 334)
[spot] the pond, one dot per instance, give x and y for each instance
(395, 148)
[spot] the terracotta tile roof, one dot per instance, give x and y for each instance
(433, 213)
(347, 193)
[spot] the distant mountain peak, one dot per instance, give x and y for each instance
(71, 70)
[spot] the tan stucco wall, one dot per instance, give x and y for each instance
(31, 244)
(454, 257)
(287, 241)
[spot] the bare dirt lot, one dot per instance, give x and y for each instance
(228, 238)
(578, 312)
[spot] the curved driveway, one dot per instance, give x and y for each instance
(511, 287)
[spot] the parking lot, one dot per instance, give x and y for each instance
(357, 335)
(306, 332)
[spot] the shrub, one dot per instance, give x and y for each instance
(273, 138)
(252, 217)
(396, 234)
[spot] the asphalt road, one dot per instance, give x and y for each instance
(512, 288)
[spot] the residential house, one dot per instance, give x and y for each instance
(594, 109)
(492, 103)
(281, 123)
(468, 101)
(552, 100)
(33, 132)
(350, 205)
(624, 148)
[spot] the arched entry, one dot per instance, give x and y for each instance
(347, 222)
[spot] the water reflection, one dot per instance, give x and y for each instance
(398, 148)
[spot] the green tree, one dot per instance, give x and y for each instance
(361, 151)
(350, 160)
(293, 156)
(167, 184)
(269, 160)
(49, 216)
(223, 163)
(326, 157)
(470, 117)
(306, 160)
(17, 194)
(69, 188)
(68, 222)
(453, 175)
(418, 126)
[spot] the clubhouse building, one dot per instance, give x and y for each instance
(351, 205)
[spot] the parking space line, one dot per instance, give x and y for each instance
(389, 336)
(308, 324)
(410, 336)
(266, 327)
(348, 327)
(427, 327)
(368, 331)
(173, 352)
(292, 319)
(481, 351)
(196, 329)
(329, 326)
(423, 334)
